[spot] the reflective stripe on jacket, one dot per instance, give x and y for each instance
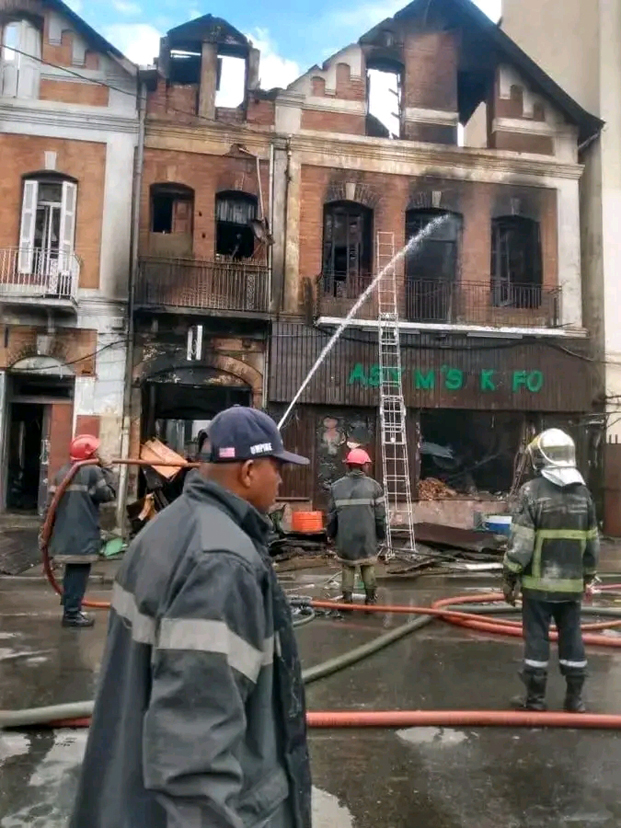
(76, 537)
(554, 541)
(200, 716)
(357, 517)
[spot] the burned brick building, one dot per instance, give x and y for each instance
(259, 228)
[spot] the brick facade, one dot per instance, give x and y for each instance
(326, 120)
(83, 94)
(81, 160)
(74, 347)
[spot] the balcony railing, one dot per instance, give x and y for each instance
(236, 287)
(31, 273)
(489, 304)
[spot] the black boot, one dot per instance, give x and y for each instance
(371, 598)
(573, 698)
(80, 620)
(535, 698)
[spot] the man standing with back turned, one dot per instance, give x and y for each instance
(552, 555)
(357, 520)
(200, 721)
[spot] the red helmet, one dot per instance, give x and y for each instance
(83, 447)
(358, 457)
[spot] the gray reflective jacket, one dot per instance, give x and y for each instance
(357, 517)
(554, 541)
(76, 537)
(200, 718)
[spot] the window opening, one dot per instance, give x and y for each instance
(347, 248)
(21, 53)
(431, 271)
(235, 213)
(171, 210)
(516, 262)
(231, 82)
(384, 102)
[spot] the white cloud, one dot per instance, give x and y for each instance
(274, 70)
(126, 7)
(194, 13)
(139, 42)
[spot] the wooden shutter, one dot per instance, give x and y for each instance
(27, 228)
(67, 226)
(10, 59)
(29, 61)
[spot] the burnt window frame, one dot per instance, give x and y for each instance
(176, 192)
(357, 272)
(510, 287)
(247, 242)
(431, 298)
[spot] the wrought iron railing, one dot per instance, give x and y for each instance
(35, 273)
(492, 304)
(202, 285)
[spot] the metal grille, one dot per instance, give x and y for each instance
(395, 460)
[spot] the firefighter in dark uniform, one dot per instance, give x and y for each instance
(76, 536)
(357, 521)
(552, 557)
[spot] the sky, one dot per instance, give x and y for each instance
(292, 35)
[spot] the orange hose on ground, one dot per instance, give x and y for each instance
(438, 718)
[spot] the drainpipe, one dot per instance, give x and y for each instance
(270, 260)
(129, 364)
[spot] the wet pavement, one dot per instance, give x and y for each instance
(428, 778)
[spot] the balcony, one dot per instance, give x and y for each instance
(33, 276)
(441, 303)
(228, 288)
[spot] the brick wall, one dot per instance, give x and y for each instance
(170, 102)
(390, 196)
(62, 53)
(431, 70)
(69, 345)
(84, 161)
(328, 121)
(261, 112)
(86, 94)
(206, 175)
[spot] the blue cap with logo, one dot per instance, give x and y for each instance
(240, 434)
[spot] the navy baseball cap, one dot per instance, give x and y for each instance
(241, 433)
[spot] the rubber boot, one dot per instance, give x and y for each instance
(348, 598)
(573, 699)
(535, 698)
(371, 599)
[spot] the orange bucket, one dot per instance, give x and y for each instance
(307, 521)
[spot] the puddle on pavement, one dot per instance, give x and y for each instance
(437, 736)
(13, 744)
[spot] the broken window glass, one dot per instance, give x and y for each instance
(516, 262)
(347, 248)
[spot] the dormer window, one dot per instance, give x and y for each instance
(20, 64)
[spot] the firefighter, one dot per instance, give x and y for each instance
(357, 521)
(552, 557)
(200, 715)
(76, 536)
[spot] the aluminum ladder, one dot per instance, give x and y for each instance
(395, 461)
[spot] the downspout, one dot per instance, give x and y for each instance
(129, 364)
(266, 355)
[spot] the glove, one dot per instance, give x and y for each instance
(590, 582)
(511, 588)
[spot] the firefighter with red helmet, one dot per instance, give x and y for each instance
(357, 522)
(76, 536)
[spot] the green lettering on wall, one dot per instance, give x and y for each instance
(454, 379)
(519, 380)
(424, 382)
(487, 380)
(374, 376)
(357, 375)
(534, 382)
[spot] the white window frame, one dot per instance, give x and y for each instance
(66, 241)
(21, 70)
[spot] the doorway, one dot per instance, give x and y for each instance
(25, 456)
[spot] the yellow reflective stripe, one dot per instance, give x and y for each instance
(593, 534)
(563, 534)
(142, 626)
(525, 532)
(553, 585)
(512, 566)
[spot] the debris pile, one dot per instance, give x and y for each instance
(433, 489)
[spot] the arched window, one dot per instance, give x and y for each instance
(516, 262)
(20, 59)
(235, 235)
(47, 227)
(431, 270)
(347, 248)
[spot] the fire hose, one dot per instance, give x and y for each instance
(78, 714)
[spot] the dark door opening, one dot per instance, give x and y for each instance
(25, 456)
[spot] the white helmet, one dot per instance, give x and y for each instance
(553, 453)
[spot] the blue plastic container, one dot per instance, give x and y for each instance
(499, 524)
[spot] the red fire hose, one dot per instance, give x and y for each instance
(394, 718)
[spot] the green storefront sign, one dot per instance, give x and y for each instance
(448, 378)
